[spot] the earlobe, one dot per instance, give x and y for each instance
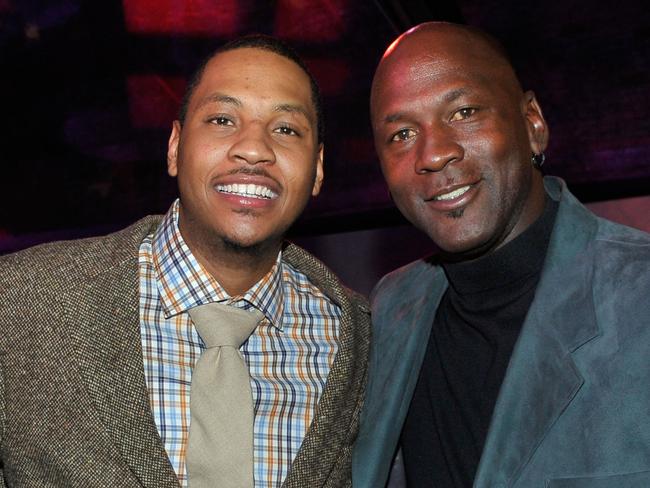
(318, 180)
(536, 124)
(172, 149)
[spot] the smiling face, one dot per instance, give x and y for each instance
(246, 157)
(454, 133)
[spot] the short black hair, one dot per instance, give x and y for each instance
(266, 43)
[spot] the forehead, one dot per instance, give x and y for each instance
(254, 75)
(431, 63)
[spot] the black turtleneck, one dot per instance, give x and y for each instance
(473, 334)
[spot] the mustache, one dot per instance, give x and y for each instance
(250, 172)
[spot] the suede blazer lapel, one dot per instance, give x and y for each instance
(324, 457)
(403, 309)
(103, 323)
(542, 378)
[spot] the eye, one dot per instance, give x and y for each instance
(221, 120)
(403, 135)
(285, 130)
(463, 113)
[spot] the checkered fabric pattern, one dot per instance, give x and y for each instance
(289, 354)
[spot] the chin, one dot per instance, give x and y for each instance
(236, 243)
(248, 244)
(469, 251)
(466, 247)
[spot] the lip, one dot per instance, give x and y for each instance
(233, 189)
(465, 193)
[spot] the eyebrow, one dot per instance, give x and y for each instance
(219, 98)
(390, 118)
(455, 94)
(292, 108)
(447, 98)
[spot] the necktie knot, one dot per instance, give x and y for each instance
(224, 325)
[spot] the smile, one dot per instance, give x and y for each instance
(247, 190)
(452, 194)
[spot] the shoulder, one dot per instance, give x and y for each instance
(62, 255)
(615, 247)
(406, 282)
(611, 265)
(621, 259)
(611, 233)
(601, 244)
(56, 266)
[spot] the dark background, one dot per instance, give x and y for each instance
(89, 90)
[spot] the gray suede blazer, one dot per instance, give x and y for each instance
(74, 408)
(574, 406)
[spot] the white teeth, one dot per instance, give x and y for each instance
(453, 194)
(247, 190)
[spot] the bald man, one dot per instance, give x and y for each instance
(519, 354)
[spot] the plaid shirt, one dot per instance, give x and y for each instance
(289, 354)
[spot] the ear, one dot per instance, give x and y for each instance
(318, 181)
(172, 149)
(535, 124)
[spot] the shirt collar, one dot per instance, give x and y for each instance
(183, 283)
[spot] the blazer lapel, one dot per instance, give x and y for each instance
(403, 311)
(542, 379)
(104, 328)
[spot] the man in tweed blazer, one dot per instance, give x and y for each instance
(75, 402)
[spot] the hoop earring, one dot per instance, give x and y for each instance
(538, 159)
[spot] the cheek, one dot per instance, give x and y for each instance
(405, 199)
(507, 183)
(492, 145)
(395, 172)
(387, 161)
(202, 145)
(404, 193)
(298, 173)
(402, 188)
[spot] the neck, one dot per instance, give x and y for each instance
(237, 268)
(526, 213)
(502, 272)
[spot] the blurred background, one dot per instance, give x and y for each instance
(89, 90)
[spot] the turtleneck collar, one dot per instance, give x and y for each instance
(512, 263)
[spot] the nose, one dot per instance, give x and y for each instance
(438, 150)
(252, 146)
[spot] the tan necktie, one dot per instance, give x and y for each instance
(220, 446)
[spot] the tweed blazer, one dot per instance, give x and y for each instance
(74, 406)
(573, 410)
